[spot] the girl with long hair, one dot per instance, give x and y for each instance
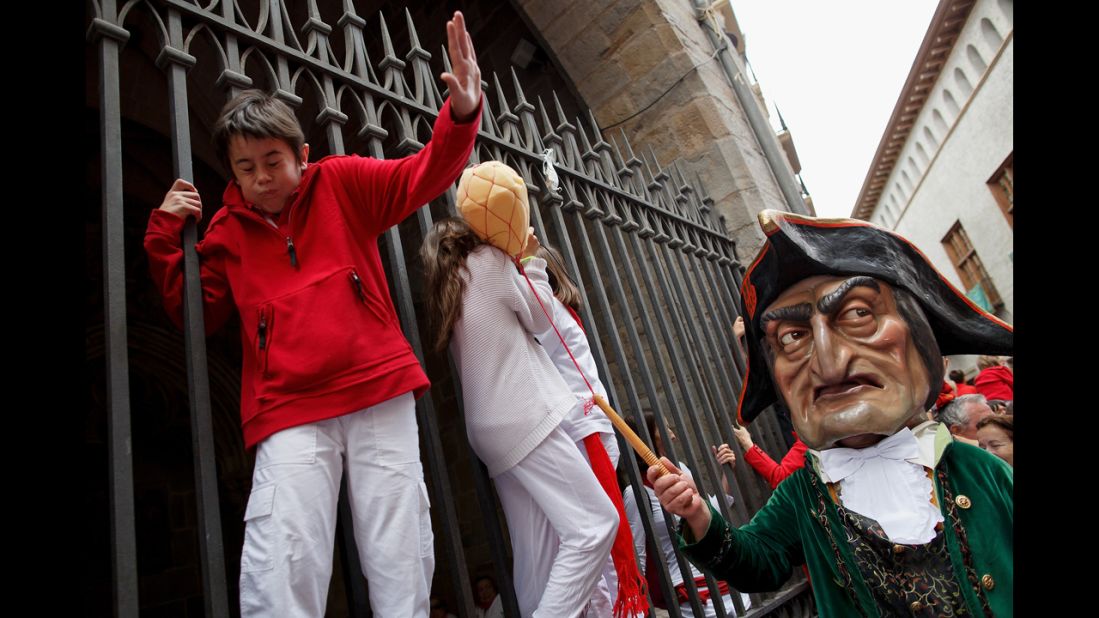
(561, 522)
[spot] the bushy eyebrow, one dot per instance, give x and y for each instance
(800, 313)
(830, 302)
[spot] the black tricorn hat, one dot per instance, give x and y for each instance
(799, 247)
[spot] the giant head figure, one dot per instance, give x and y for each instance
(847, 323)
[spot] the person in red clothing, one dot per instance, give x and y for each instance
(995, 381)
(762, 463)
(328, 381)
(960, 387)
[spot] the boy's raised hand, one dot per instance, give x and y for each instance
(183, 200)
(464, 82)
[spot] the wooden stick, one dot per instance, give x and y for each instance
(635, 440)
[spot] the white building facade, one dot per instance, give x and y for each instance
(942, 175)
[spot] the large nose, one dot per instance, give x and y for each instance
(831, 351)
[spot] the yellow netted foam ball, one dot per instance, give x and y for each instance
(492, 198)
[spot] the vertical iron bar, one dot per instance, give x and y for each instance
(564, 245)
(721, 425)
(654, 400)
(719, 282)
(673, 353)
(425, 407)
(176, 62)
(700, 327)
(721, 343)
(482, 487)
(699, 342)
(356, 585)
(679, 321)
(358, 598)
(721, 319)
(612, 333)
(119, 447)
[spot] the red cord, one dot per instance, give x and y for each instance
(561, 338)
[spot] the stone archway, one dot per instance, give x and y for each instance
(622, 54)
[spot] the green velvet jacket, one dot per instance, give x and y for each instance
(800, 524)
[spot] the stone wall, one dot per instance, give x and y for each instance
(622, 54)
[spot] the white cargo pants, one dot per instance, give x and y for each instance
(290, 522)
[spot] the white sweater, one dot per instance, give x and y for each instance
(576, 423)
(512, 393)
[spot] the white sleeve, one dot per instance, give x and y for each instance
(633, 515)
(533, 311)
(717, 505)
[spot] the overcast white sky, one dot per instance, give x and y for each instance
(835, 70)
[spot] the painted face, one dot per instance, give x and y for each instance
(266, 170)
(995, 440)
(844, 360)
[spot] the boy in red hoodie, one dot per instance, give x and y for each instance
(328, 381)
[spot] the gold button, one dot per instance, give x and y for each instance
(963, 502)
(988, 582)
(898, 549)
(916, 606)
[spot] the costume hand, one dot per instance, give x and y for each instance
(532, 245)
(678, 495)
(738, 327)
(464, 82)
(743, 437)
(183, 200)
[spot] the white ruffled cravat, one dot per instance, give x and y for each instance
(880, 482)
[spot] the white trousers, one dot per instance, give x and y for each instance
(562, 526)
(290, 522)
(602, 600)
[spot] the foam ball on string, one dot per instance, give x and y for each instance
(492, 198)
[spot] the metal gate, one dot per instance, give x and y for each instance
(659, 276)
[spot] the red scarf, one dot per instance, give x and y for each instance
(631, 599)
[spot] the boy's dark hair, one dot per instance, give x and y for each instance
(258, 115)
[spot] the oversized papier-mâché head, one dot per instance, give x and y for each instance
(492, 198)
(847, 323)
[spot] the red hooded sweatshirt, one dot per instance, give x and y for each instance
(319, 332)
(996, 383)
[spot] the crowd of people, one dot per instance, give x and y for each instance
(982, 406)
(845, 327)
